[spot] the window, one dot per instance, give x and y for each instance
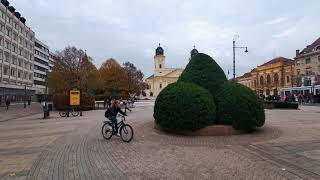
(298, 71)
(276, 78)
(20, 52)
(268, 79)
(15, 36)
(25, 75)
(14, 48)
(30, 76)
(19, 74)
(16, 25)
(12, 72)
(20, 62)
(288, 79)
(319, 59)
(6, 57)
(1, 13)
(8, 32)
(14, 60)
(160, 86)
(7, 45)
(308, 60)
(160, 66)
(261, 80)
(308, 71)
(6, 69)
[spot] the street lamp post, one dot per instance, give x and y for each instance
(234, 55)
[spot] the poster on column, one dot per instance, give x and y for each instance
(74, 97)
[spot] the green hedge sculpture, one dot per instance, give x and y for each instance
(205, 72)
(239, 106)
(184, 107)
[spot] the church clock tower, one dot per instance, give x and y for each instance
(159, 61)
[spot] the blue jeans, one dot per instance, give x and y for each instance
(114, 122)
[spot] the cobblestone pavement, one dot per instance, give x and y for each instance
(18, 111)
(288, 147)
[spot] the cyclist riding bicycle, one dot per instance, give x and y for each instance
(112, 113)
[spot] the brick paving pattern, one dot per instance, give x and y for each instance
(288, 147)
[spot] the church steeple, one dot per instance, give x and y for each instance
(194, 51)
(159, 50)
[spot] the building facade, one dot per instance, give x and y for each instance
(271, 77)
(16, 55)
(41, 66)
(245, 80)
(307, 65)
(163, 76)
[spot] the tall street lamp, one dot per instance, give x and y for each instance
(234, 54)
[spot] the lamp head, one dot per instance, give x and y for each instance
(246, 51)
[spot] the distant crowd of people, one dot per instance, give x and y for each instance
(299, 98)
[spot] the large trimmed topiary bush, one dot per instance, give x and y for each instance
(184, 107)
(239, 106)
(205, 72)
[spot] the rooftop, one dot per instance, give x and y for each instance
(278, 59)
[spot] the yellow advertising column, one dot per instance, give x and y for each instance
(74, 97)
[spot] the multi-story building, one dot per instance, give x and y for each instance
(41, 66)
(307, 65)
(52, 60)
(16, 55)
(269, 78)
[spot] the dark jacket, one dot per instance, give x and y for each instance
(113, 111)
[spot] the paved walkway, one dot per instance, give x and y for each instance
(18, 111)
(288, 147)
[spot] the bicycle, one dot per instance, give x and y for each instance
(126, 131)
(66, 113)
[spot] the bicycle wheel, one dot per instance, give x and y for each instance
(126, 133)
(106, 131)
(75, 113)
(62, 113)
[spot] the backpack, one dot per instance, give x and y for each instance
(107, 113)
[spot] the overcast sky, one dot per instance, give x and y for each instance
(130, 30)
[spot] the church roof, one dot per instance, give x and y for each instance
(151, 77)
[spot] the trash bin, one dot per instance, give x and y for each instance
(46, 112)
(50, 107)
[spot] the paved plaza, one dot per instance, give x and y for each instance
(287, 147)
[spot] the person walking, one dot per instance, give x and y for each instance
(7, 103)
(126, 106)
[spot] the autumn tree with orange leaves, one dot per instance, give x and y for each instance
(72, 69)
(112, 76)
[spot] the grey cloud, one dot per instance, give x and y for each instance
(131, 30)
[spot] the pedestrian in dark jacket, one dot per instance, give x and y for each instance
(7, 103)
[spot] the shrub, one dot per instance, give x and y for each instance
(205, 72)
(184, 106)
(240, 106)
